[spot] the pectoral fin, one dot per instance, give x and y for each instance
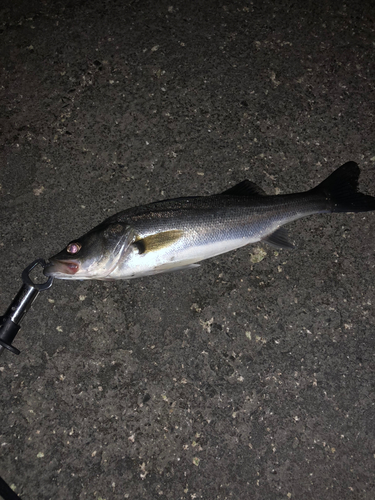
(157, 241)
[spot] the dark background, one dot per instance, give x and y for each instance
(251, 377)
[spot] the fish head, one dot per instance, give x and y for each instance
(94, 255)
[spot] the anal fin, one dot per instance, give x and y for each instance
(279, 239)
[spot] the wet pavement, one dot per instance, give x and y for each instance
(251, 377)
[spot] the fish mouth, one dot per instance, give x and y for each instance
(61, 268)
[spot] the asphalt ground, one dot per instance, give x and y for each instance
(251, 377)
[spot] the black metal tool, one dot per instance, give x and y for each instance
(10, 322)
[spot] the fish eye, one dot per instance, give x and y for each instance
(73, 247)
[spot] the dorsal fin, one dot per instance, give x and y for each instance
(245, 188)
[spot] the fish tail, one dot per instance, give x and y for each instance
(340, 191)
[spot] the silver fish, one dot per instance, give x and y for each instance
(177, 234)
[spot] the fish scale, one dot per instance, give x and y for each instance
(178, 233)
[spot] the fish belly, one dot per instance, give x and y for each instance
(203, 241)
(175, 257)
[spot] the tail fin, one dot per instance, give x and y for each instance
(340, 190)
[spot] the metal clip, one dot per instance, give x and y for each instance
(9, 323)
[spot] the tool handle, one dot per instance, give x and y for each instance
(9, 323)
